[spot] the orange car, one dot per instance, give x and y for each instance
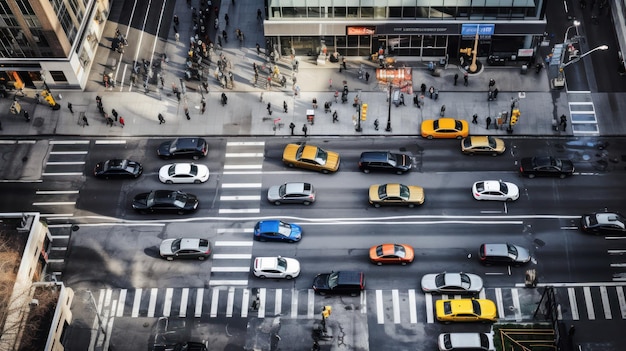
(445, 128)
(391, 253)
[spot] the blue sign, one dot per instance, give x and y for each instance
(483, 29)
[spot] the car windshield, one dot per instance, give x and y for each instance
(321, 156)
(284, 229)
(467, 143)
(492, 142)
(399, 251)
(404, 191)
(512, 250)
(332, 279)
(440, 280)
(503, 188)
(476, 307)
(458, 125)
(115, 164)
(436, 124)
(176, 245)
(281, 264)
(282, 190)
(173, 145)
(393, 161)
(465, 279)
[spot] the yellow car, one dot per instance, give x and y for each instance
(486, 145)
(446, 128)
(310, 157)
(396, 194)
(466, 310)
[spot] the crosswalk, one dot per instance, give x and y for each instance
(242, 175)
(396, 306)
(583, 114)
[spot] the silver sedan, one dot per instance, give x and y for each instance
(452, 283)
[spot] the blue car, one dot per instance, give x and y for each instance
(276, 230)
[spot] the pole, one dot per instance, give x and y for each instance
(388, 129)
(358, 121)
(510, 128)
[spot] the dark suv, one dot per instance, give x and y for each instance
(342, 282)
(184, 148)
(384, 161)
(503, 254)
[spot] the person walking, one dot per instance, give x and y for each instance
(269, 108)
(226, 18)
(367, 77)
(423, 89)
(475, 118)
(376, 124)
(85, 121)
(442, 112)
(305, 129)
(258, 49)
(161, 119)
(122, 122)
(69, 107)
(563, 122)
(335, 117)
(343, 63)
(114, 113)
(187, 113)
(466, 79)
(285, 106)
(488, 120)
(292, 127)
(314, 103)
(109, 121)
(456, 77)
(26, 116)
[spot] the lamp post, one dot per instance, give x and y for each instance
(388, 129)
(574, 25)
(560, 79)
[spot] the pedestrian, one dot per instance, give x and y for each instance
(492, 82)
(456, 77)
(402, 100)
(269, 108)
(423, 89)
(26, 116)
(495, 93)
(85, 121)
(269, 82)
(203, 103)
(330, 83)
(335, 117)
(258, 49)
(226, 18)
(475, 118)
(466, 79)
(161, 119)
(314, 103)
(69, 107)
(431, 91)
(122, 122)
(571, 331)
(177, 36)
(488, 121)
(436, 94)
(376, 124)
(305, 129)
(285, 106)
(292, 127)
(114, 113)
(109, 121)
(563, 122)
(343, 63)
(443, 110)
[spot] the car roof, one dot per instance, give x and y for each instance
(189, 243)
(609, 218)
(447, 123)
(291, 188)
(267, 262)
(309, 152)
(491, 185)
(188, 142)
(269, 225)
(496, 249)
(479, 140)
(375, 156)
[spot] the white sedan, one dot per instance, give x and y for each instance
(180, 173)
(495, 190)
(276, 267)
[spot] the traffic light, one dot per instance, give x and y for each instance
(327, 311)
(514, 116)
(363, 112)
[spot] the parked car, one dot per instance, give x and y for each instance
(603, 223)
(276, 267)
(547, 166)
(185, 248)
(291, 193)
(276, 230)
(391, 254)
(503, 254)
(452, 283)
(311, 157)
(168, 332)
(341, 282)
(482, 145)
(495, 190)
(446, 128)
(165, 201)
(184, 148)
(396, 194)
(465, 342)
(184, 173)
(118, 169)
(466, 310)
(384, 161)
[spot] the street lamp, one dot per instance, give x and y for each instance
(388, 129)
(576, 24)
(560, 79)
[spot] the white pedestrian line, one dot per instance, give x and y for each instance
(62, 174)
(429, 308)
(68, 152)
(245, 143)
(232, 256)
(107, 141)
(109, 328)
(214, 299)
(482, 294)
(243, 154)
(230, 269)
(616, 252)
(234, 230)
(622, 301)
(68, 142)
(228, 282)
(245, 302)
(152, 302)
(241, 198)
(618, 264)
(278, 300)
(380, 311)
(136, 303)
(242, 172)
(55, 192)
(199, 297)
(572, 303)
(261, 311)
(184, 298)
(591, 314)
(167, 305)
(121, 303)
(412, 307)
(65, 163)
(310, 305)
(230, 302)
(499, 303)
(395, 296)
(57, 203)
(294, 303)
(559, 313)
(233, 243)
(516, 305)
(244, 210)
(232, 167)
(606, 306)
(241, 185)
(25, 142)
(363, 302)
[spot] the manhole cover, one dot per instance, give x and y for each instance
(38, 122)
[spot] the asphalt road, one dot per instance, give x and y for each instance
(115, 251)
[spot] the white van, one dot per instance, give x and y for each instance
(465, 342)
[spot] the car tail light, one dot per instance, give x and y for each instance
(311, 196)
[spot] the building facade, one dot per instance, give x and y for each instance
(416, 28)
(49, 43)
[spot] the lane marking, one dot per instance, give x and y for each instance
(59, 203)
(232, 256)
(230, 269)
(310, 305)
(363, 302)
(571, 294)
(184, 298)
(606, 306)
(242, 172)
(214, 300)
(244, 210)
(199, 297)
(167, 304)
(68, 152)
(68, 142)
(241, 198)
(518, 308)
(233, 243)
(152, 302)
(227, 282)
(229, 167)
(591, 314)
(412, 307)
(106, 141)
(559, 313)
(261, 311)
(245, 143)
(234, 230)
(55, 192)
(62, 174)
(622, 301)
(136, 303)
(243, 154)
(278, 300)
(380, 311)
(294, 303)
(240, 185)
(230, 302)
(121, 303)
(429, 308)
(499, 303)
(245, 302)
(482, 294)
(65, 163)
(396, 306)
(564, 285)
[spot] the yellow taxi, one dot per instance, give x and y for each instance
(445, 128)
(482, 145)
(396, 194)
(466, 310)
(310, 157)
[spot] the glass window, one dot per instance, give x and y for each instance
(367, 12)
(395, 12)
(365, 40)
(353, 12)
(314, 12)
(409, 12)
(380, 12)
(288, 12)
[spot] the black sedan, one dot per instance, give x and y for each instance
(603, 223)
(165, 201)
(117, 169)
(183, 148)
(546, 166)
